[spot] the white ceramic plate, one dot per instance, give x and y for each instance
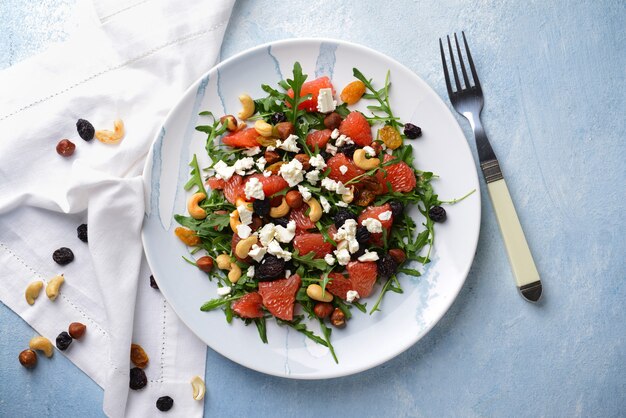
(367, 341)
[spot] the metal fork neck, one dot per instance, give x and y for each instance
(485, 152)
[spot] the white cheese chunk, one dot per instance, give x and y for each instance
(313, 177)
(318, 162)
(385, 216)
(274, 248)
(245, 214)
(343, 256)
(243, 231)
(369, 151)
(290, 144)
(368, 256)
(334, 134)
(223, 170)
(330, 260)
(267, 233)
(250, 272)
(251, 152)
(292, 172)
(257, 253)
(260, 163)
(244, 164)
(283, 234)
(325, 204)
(254, 189)
(343, 169)
(305, 192)
(331, 149)
(373, 225)
(325, 102)
(223, 291)
(351, 296)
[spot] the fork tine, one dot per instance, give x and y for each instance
(445, 68)
(458, 48)
(456, 75)
(471, 61)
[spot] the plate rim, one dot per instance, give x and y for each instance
(474, 245)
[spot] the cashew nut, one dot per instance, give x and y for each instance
(243, 247)
(234, 220)
(223, 261)
(114, 136)
(32, 291)
(248, 106)
(235, 273)
(263, 128)
(315, 292)
(199, 389)
(52, 289)
(41, 344)
(348, 197)
(316, 210)
(280, 211)
(194, 208)
(361, 160)
(240, 202)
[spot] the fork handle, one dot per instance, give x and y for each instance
(520, 258)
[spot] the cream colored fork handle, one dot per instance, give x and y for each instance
(522, 263)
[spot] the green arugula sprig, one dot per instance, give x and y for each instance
(382, 96)
(295, 84)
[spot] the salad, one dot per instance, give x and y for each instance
(303, 208)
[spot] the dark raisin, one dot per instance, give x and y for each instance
(324, 155)
(271, 268)
(63, 341)
(164, 403)
(281, 221)
(138, 379)
(343, 215)
(362, 235)
(396, 209)
(347, 150)
(261, 207)
(387, 266)
(63, 256)
(278, 117)
(437, 214)
(411, 131)
(153, 283)
(85, 129)
(359, 253)
(82, 232)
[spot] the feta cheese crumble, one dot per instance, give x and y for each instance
(305, 192)
(292, 172)
(285, 234)
(343, 169)
(368, 256)
(369, 151)
(257, 253)
(325, 204)
(250, 272)
(245, 214)
(342, 140)
(223, 291)
(244, 164)
(330, 260)
(334, 186)
(334, 134)
(325, 102)
(243, 231)
(313, 177)
(267, 233)
(274, 248)
(331, 149)
(351, 296)
(317, 162)
(343, 256)
(290, 144)
(373, 225)
(342, 204)
(385, 216)
(251, 152)
(254, 189)
(223, 170)
(260, 163)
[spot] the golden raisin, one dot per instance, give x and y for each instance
(353, 92)
(138, 356)
(273, 168)
(366, 197)
(187, 236)
(390, 136)
(266, 142)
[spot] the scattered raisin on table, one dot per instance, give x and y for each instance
(85, 129)
(63, 256)
(164, 403)
(387, 266)
(65, 148)
(63, 341)
(343, 215)
(138, 356)
(153, 283)
(270, 268)
(411, 131)
(437, 214)
(138, 379)
(82, 232)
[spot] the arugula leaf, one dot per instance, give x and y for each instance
(196, 176)
(382, 96)
(310, 260)
(326, 333)
(295, 84)
(216, 303)
(260, 326)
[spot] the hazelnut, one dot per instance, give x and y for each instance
(284, 129)
(398, 255)
(271, 157)
(338, 318)
(28, 358)
(323, 309)
(332, 121)
(65, 147)
(231, 122)
(294, 199)
(76, 330)
(205, 263)
(304, 160)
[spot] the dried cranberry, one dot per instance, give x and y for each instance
(82, 232)
(347, 150)
(437, 214)
(85, 129)
(396, 209)
(343, 215)
(387, 266)
(261, 207)
(65, 148)
(362, 235)
(63, 341)
(164, 403)
(63, 256)
(138, 379)
(271, 268)
(411, 131)
(278, 117)
(153, 283)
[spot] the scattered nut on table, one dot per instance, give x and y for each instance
(199, 389)
(53, 287)
(32, 291)
(114, 136)
(28, 358)
(42, 344)
(138, 356)
(77, 330)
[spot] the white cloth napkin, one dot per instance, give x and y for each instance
(128, 60)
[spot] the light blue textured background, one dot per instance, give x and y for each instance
(554, 77)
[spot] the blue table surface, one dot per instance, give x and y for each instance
(554, 78)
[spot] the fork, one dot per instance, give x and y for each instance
(468, 101)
